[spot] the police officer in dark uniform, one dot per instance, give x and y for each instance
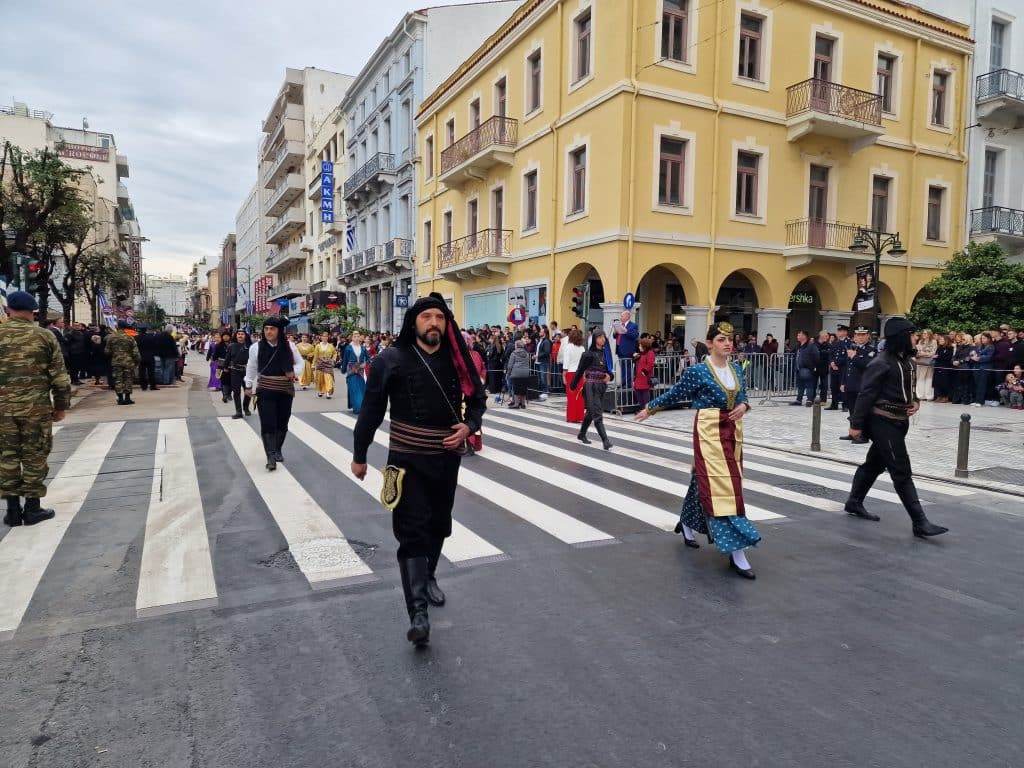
(886, 402)
(859, 353)
(837, 367)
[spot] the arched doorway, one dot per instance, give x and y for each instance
(663, 294)
(737, 302)
(586, 277)
(804, 310)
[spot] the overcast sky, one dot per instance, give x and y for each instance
(183, 87)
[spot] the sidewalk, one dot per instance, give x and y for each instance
(996, 451)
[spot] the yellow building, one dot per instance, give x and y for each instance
(713, 158)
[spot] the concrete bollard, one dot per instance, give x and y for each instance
(963, 446)
(816, 426)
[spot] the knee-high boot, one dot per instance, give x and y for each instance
(922, 525)
(414, 585)
(246, 402)
(862, 483)
(434, 593)
(604, 435)
(582, 436)
(278, 442)
(269, 447)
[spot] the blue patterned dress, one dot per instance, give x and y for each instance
(700, 385)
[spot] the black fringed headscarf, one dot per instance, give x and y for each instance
(469, 380)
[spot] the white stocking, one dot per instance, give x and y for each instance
(688, 532)
(740, 559)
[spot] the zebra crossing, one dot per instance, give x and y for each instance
(533, 488)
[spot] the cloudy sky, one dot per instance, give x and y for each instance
(183, 87)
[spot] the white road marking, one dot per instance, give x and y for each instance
(176, 572)
(26, 551)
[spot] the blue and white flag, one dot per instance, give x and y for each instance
(106, 311)
(350, 236)
(3, 291)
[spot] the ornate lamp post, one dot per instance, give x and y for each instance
(877, 241)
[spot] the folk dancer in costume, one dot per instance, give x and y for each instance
(594, 370)
(428, 376)
(354, 362)
(274, 366)
(884, 406)
(325, 357)
(714, 501)
(306, 350)
(235, 362)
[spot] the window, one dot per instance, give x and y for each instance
(447, 227)
(746, 183)
(472, 219)
(500, 98)
(428, 157)
(988, 192)
(428, 240)
(995, 59)
(581, 34)
(449, 131)
(535, 85)
(884, 72)
(935, 195)
(823, 51)
(674, 28)
(750, 46)
(578, 163)
(474, 114)
(880, 203)
(940, 80)
(670, 173)
(498, 210)
(530, 200)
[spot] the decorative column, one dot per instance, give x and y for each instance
(697, 321)
(772, 321)
(831, 319)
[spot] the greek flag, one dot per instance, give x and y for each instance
(350, 236)
(106, 311)
(3, 292)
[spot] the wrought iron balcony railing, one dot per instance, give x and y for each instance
(398, 248)
(487, 243)
(1000, 82)
(498, 131)
(997, 220)
(833, 99)
(814, 233)
(382, 162)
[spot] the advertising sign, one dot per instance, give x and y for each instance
(866, 279)
(135, 260)
(327, 192)
(84, 152)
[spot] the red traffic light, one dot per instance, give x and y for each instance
(37, 267)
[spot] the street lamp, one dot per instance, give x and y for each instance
(877, 241)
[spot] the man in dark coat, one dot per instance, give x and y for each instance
(148, 343)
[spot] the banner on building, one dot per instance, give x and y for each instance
(866, 284)
(135, 261)
(327, 192)
(261, 287)
(106, 311)
(83, 152)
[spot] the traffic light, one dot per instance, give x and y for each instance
(581, 300)
(34, 275)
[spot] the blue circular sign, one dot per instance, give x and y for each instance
(628, 301)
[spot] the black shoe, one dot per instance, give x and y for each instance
(691, 543)
(128, 399)
(859, 440)
(845, 437)
(247, 412)
(582, 437)
(796, 402)
(278, 442)
(746, 573)
(832, 408)
(928, 528)
(268, 448)
(435, 595)
(604, 436)
(120, 399)
(13, 517)
(34, 513)
(414, 584)
(856, 508)
(75, 383)
(237, 415)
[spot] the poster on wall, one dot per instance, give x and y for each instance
(865, 300)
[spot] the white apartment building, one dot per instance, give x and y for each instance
(996, 132)
(426, 46)
(170, 292)
(306, 99)
(250, 249)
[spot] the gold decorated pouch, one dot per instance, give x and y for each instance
(391, 488)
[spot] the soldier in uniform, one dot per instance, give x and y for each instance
(124, 361)
(859, 354)
(35, 391)
(837, 367)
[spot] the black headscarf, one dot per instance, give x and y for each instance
(452, 340)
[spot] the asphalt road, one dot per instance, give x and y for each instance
(857, 645)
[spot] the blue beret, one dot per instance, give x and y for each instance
(20, 301)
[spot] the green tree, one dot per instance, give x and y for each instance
(345, 319)
(103, 270)
(977, 290)
(256, 322)
(73, 234)
(152, 314)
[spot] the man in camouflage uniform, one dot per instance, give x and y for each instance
(31, 370)
(124, 361)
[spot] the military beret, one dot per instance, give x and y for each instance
(20, 301)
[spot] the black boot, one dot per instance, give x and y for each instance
(245, 405)
(923, 527)
(128, 399)
(13, 516)
(34, 513)
(414, 584)
(269, 447)
(604, 435)
(278, 442)
(856, 508)
(120, 399)
(582, 436)
(435, 595)
(237, 415)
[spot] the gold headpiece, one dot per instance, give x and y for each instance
(725, 328)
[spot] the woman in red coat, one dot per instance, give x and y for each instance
(644, 371)
(571, 351)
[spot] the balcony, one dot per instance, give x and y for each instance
(1005, 225)
(287, 160)
(810, 240)
(284, 226)
(122, 193)
(284, 194)
(371, 178)
(315, 190)
(822, 108)
(470, 158)
(480, 255)
(289, 125)
(122, 166)
(283, 259)
(290, 93)
(1000, 95)
(288, 290)
(345, 266)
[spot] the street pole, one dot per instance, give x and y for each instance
(878, 241)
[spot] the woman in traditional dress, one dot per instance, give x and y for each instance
(305, 348)
(571, 351)
(714, 501)
(215, 353)
(325, 357)
(354, 363)
(594, 373)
